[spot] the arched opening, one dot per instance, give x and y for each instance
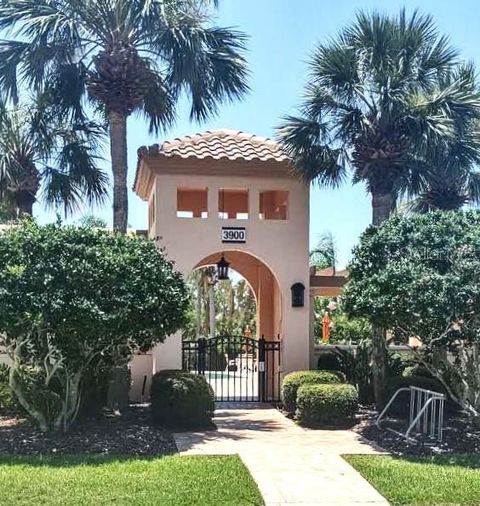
(220, 307)
(233, 333)
(263, 283)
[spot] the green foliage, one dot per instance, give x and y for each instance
(419, 277)
(416, 275)
(396, 382)
(234, 306)
(416, 370)
(344, 329)
(7, 399)
(181, 399)
(73, 297)
(90, 220)
(325, 252)
(44, 152)
(369, 108)
(319, 404)
(330, 360)
(294, 380)
(356, 365)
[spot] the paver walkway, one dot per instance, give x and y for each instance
(292, 465)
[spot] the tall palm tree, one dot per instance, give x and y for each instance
(374, 106)
(40, 151)
(324, 254)
(123, 56)
(449, 178)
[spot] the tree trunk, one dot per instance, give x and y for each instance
(24, 201)
(211, 308)
(382, 206)
(118, 152)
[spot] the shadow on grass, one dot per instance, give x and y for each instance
(471, 461)
(465, 460)
(77, 460)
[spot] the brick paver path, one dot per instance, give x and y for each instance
(292, 465)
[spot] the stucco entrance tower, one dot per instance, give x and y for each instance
(231, 193)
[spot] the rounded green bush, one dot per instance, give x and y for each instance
(181, 399)
(326, 404)
(293, 381)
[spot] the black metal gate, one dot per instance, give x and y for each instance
(238, 368)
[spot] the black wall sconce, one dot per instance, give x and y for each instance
(298, 294)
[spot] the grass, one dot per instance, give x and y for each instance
(439, 480)
(169, 481)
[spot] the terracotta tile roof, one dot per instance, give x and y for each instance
(223, 144)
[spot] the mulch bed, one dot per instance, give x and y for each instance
(458, 436)
(131, 433)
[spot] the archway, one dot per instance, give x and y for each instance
(264, 285)
(239, 366)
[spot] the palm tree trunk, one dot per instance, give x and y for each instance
(211, 305)
(382, 206)
(24, 201)
(118, 152)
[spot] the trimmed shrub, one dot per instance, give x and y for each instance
(293, 381)
(181, 399)
(326, 404)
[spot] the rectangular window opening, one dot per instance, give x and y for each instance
(192, 203)
(233, 204)
(273, 205)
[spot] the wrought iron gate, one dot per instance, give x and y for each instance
(238, 368)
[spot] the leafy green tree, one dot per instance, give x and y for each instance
(71, 298)
(378, 102)
(123, 57)
(40, 151)
(418, 276)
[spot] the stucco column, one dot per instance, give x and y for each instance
(313, 364)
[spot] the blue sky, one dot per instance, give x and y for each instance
(282, 35)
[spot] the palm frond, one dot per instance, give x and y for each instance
(307, 142)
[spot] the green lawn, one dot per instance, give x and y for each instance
(166, 481)
(439, 480)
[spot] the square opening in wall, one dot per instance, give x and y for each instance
(192, 203)
(273, 205)
(233, 204)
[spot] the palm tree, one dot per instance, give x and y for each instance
(325, 252)
(375, 106)
(38, 151)
(122, 56)
(449, 178)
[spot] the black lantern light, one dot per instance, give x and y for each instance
(222, 268)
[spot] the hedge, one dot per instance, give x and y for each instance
(181, 399)
(293, 381)
(326, 404)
